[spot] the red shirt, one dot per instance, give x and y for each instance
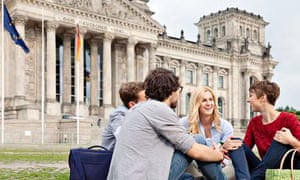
(262, 135)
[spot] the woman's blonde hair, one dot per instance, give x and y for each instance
(194, 105)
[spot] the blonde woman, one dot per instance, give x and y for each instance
(203, 118)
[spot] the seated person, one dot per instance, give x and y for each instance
(267, 126)
(203, 119)
(153, 145)
(130, 94)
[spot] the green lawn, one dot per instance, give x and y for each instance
(37, 164)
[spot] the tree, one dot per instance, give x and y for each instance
(291, 110)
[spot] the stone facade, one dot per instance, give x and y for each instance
(121, 42)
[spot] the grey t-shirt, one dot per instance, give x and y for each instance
(148, 137)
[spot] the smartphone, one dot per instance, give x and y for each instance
(236, 138)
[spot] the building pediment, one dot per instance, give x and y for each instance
(116, 9)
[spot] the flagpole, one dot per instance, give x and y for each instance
(2, 74)
(43, 79)
(77, 105)
(78, 57)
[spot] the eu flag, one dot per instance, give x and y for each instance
(10, 27)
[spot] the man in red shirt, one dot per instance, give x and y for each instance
(262, 129)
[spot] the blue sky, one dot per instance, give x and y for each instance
(282, 33)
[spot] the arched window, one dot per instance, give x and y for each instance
(247, 32)
(255, 35)
(208, 35)
(206, 79)
(158, 63)
(223, 31)
(216, 32)
(241, 31)
(174, 66)
(190, 74)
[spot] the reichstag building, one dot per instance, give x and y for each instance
(52, 95)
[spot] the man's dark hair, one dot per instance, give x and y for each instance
(129, 92)
(265, 87)
(160, 83)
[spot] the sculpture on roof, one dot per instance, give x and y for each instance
(267, 50)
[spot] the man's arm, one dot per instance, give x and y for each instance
(204, 153)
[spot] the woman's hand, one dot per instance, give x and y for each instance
(232, 143)
(284, 136)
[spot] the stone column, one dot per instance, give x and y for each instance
(52, 106)
(230, 96)
(152, 59)
(182, 102)
(145, 62)
(131, 62)
(199, 74)
(215, 79)
(107, 74)
(166, 62)
(20, 63)
(66, 104)
(236, 100)
(247, 86)
(94, 104)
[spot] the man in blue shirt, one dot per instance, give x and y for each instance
(130, 94)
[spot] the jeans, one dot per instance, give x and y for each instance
(240, 165)
(180, 161)
(271, 159)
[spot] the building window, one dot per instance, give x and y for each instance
(221, 82)
(205, 79)
(255, 35)
(159, 63)
(221, 106)
(73, 77)
(216, 32)
(87, 71)
(189, 77)
(247, 32)
(241, 31)
(223, 31)
(59, 69)
(100, 74)
(208, 35)
(172, 68)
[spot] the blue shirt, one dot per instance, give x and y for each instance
(110, 133)
(216, 136)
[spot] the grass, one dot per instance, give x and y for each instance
(11, 157)
(6, 157)
(34, 174)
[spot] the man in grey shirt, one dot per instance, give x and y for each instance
(151, 133)
(130, 94)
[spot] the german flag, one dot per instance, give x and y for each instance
(78, 43)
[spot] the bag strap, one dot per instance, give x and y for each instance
(292, 160)
(98, 146)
